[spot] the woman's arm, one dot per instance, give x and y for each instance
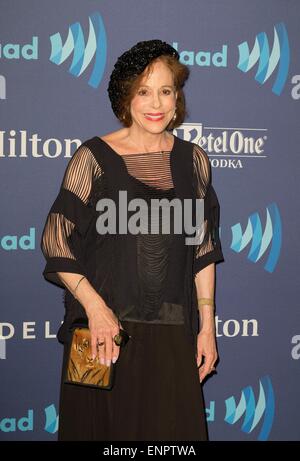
(84, 292)
(207, 254)
(69, 214)
(103, 323)
(205, 285)
(206, 340)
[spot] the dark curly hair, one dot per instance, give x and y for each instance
(136, 63)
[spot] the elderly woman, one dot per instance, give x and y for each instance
(152, 284)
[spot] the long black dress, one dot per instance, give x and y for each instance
(157, 393)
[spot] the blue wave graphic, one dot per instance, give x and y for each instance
(51, 424)
(253, 412)
(267, 62)
(82, 53)
(260, 241)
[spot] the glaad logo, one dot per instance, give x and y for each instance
(253, 412)
(15, 51)
(26, 423)
(52, 418)
(203, 58)
(280, 55)
(23, 424)
(82, 54)
(13, 242)
(260, 240)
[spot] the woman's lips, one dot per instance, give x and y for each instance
(154, 117)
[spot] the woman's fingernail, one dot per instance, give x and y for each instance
(114, 359)
(108, 363)
(102, 361)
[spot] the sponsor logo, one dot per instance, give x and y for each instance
(267, 62)
(83, 52)
(23, 146)
(203, 58)
(232, 327)
(26, 330)
(14, 242)
(260, 241)
(227, 147)
(16, 51)
(32, 330)
(26, 423)
(23, 424)
(253, 411)
(51, 419)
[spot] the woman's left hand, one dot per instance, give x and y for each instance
(206, 347)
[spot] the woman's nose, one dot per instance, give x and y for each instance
(156, 100)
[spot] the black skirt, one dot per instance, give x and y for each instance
(157, 395)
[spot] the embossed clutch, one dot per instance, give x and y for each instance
(82, 369)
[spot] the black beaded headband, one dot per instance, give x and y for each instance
(131, 64)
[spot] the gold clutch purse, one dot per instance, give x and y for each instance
(82, 369)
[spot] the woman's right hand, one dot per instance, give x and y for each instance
(103, 325)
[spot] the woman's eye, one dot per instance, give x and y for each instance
(144, 92)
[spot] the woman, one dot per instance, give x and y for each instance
(150, 284)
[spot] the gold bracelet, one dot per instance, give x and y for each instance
(206, 301)
(74, 294)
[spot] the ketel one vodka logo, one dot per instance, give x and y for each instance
(227, 147)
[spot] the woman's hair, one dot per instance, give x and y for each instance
(180, 74)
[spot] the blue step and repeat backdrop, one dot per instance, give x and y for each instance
(243, 99)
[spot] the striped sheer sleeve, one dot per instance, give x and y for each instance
(69, 214)
(209, 250)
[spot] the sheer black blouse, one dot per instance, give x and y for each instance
(140, 276)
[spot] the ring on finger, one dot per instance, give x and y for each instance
(118, 339)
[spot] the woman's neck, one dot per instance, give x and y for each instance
(149, 142)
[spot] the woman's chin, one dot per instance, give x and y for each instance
(155, 127)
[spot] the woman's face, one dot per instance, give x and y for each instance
(154, 102)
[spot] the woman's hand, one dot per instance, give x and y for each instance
(207, 349)
(103, 325)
